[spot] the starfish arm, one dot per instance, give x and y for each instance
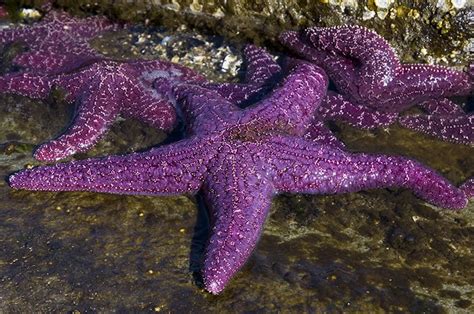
(238, 195)
(294, 41)
(154, 110)
(52, 62)
(96, 112)
(304, 167)
(378, 62)
(260, 76)
(336, 107)
(27, 84)
(418, 82)
(340, 69)
(293, 105)
(319, 133)
(236, 93)
(204, 109)
(169, 170)
(260, 66)
(441, 107)
(468, 187)
(451, 128)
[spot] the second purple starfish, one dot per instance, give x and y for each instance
(104, 89)
(367, 72)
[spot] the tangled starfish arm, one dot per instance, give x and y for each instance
(441, 107)
(333, 107)
(361, 84)
(417, 83)
(261, 73)
(450, 128)
(378, 63)
(406, 85)
(444, 119)
(336, 107)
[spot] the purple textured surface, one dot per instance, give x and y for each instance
(261, 74)
(103, 90)
(366, 71)
(57, 43)
(239, 159)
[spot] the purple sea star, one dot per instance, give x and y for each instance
(444, 119)
(104, 89)
(239, 159)
(263, 72)
(58, 43)
(366, 71)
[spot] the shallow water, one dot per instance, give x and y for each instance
(382, 250)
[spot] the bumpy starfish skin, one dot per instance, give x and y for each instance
(445, 120)
(239, 159)
(456, 129)
(261, 73)
(59, 42)
(378, 81)
(378, 63)
(103, 90)
(336, 107)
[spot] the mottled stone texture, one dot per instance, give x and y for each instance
(412, 25)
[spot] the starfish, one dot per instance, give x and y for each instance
(263, 73)
(366, 71)
(103, 90)
(238, 159)
(58, 43)
(444, 119)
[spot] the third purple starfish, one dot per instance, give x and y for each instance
(104, 89)
(367, 72)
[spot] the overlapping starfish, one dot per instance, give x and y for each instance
(239, 158)
(366, 71)
(103, 90)
(60, 58)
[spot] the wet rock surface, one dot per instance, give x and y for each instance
(382, 250)
(433, 30)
